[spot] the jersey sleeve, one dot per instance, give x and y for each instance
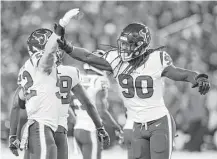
(166, 60)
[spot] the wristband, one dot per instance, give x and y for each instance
(201, 75)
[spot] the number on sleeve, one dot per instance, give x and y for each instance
(28, 84)
(168, 60)
(143, 86)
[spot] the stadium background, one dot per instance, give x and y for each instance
(188, 29)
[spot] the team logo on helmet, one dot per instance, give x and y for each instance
(145, 34)
(41, 37)
(38, 39)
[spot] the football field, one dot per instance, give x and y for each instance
(118, 153)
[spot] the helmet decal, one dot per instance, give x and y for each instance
(40, 37)
(37, 40)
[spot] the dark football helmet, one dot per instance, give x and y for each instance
(37, 40)
(133, 41)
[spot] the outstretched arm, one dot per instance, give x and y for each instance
(179, 74)
(84, 55)
(102, 104)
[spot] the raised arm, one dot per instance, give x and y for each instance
(47, 60)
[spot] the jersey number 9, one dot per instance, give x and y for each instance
(65, 84)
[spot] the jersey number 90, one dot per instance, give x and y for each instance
(127, 82)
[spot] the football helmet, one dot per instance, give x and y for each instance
(37, 40)
(133, 41)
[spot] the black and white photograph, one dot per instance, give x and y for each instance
(108, 79)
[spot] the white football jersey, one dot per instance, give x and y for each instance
(83, 120)
(40, 90)
(68, 78)
(142, 90)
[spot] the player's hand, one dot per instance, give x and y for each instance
(71, 14)
(103, 137)
(14, 144)
(64, 45)
(118, 128)
(203, 83)
(59, 29)
(120, 137)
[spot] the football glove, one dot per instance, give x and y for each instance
(203, 83)
(103, 137)
(64, 45)
(59, 30)
(73, 13)
(14, 144)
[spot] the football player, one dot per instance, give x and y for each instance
(84, 130)
(69, 83)
(139, 72)
(48, 90)
(36, 80)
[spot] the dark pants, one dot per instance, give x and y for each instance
(61, 141)
(154, 139)
(26, 154)
(128, 137)
(41, 142)
(88, 143)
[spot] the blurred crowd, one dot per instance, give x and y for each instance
(188, 29)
